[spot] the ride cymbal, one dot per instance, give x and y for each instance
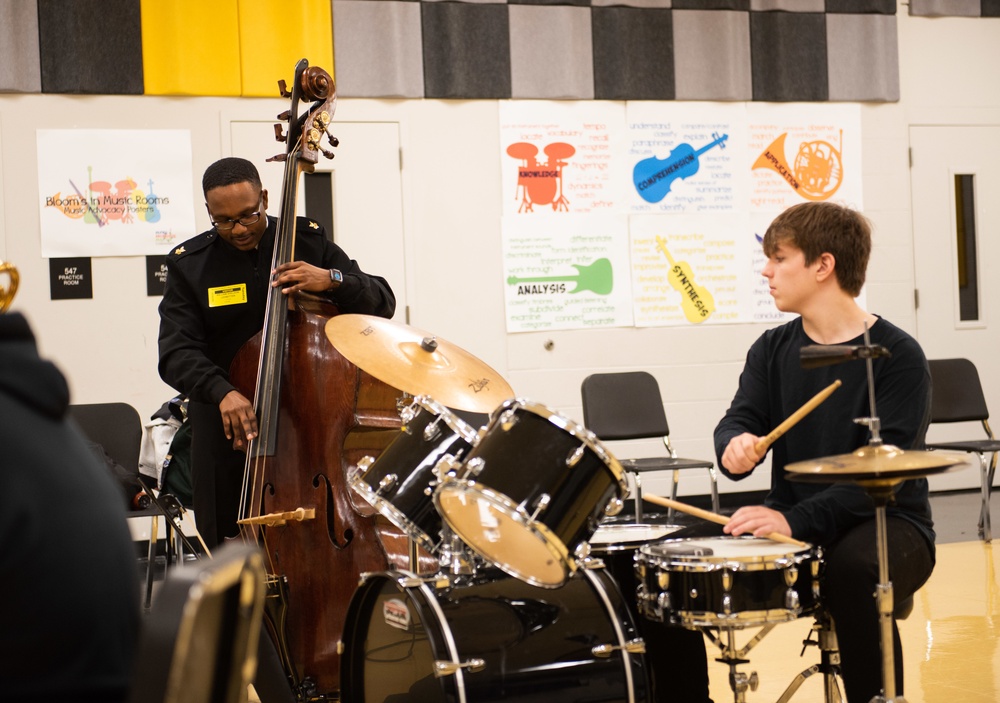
(883, 463)
(417, 362)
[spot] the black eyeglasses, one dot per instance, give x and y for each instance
(227, 224)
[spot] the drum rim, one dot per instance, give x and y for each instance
(575, 429)
(715, 562)
(624, 528)
(393, 514)
(405, 580)
(460, 426)
(540, 531)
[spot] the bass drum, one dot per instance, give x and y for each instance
(493, 638)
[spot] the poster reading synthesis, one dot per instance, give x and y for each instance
(694, 186)
(114, 192)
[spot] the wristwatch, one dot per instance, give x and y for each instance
(336, 278)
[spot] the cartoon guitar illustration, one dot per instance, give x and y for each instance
(595, 277)
(696, 301)
(653, 177)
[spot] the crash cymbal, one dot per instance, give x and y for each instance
(873, 464)
(417, 362)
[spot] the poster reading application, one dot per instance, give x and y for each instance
(569, 272)
(803, 153)
(114, 192)
(688, 269)
(560, 157)
(686, 158)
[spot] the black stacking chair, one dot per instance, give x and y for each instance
(199, 640)
(958, 397)
(627, 405)
(117, 428)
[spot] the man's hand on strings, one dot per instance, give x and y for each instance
(758, 521)
(741, 456)
(238, 420)
(296, 276)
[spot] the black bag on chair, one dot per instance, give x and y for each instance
(132, 489)
(176, 476)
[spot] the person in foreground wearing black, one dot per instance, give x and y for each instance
(214, 301)
(817, 255)
(70, 581)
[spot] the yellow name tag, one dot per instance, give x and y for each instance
(227, 295)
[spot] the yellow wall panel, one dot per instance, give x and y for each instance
(191, 47)
(276, 34)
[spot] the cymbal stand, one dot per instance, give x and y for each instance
(881, 493)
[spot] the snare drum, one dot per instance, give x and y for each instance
(532, 490)
(727, 582)
(400, 483)
(495, 638)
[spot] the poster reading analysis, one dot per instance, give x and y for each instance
(651, 214)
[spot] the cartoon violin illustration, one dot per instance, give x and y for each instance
(653, 177)
(696, 301)
(152, 214)
(595, 277)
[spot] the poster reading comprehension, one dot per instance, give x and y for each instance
(801, 153)
(686, 158)
(560, 158)
(569, 272)
(114, 192)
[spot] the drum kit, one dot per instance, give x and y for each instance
(539, 594)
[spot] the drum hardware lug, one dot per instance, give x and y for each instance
(693, 594)
(432, 431)
(355, 471)
(474, 466)
(388, 481)
(727, 581)
(663, 603)
(614, 506)
(589, 562)
(792, 600)
(508, 419)
(445, 668)
(636, 646)
(791, 576)
(575, 456)
(663, 580)
(406, 415)
(541, 504)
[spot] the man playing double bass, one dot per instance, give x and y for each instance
(214, 301)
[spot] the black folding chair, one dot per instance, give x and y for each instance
(628, 405)
(958, 397)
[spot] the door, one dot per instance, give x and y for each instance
(365, 192)
(955, 182)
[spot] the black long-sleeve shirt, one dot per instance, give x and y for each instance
(198, 340)
(773, 385)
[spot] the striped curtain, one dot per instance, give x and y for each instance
(739, 50)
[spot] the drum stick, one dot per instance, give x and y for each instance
(713, 517)
(764, 442)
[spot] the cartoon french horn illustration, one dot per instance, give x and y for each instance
(816, 173)
(8, 292)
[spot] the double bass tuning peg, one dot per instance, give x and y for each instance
(279, 134)
(283, 89)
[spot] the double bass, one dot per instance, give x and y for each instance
(317, 414)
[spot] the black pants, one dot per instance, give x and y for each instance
(848, 590)
(217, 475)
